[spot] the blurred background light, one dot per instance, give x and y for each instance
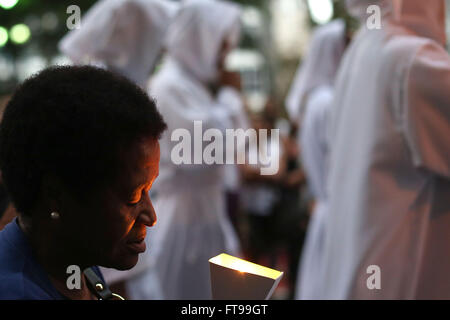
(8, 4)
(290, 30)
(252, 18)
(29, 65)
(321, 10)
(20, 33)
(60, 60)
(3, 36)
(241, 59)
(49, 21)
(6, 68)
(33, 22)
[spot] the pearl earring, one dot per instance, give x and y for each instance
(54, 215)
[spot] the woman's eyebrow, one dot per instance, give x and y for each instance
(140, 185)
(133, 186)
(145, 182)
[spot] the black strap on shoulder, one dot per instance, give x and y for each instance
(97, 285)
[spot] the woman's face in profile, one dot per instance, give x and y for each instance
(111, 227)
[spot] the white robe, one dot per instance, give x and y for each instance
(314, 144)
(192, 223)
(309, 101)
(389, 174)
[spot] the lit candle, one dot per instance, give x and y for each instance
(236, 279)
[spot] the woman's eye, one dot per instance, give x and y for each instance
(134, 201)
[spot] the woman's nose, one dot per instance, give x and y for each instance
(148, 214)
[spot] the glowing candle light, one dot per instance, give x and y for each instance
(251, 281)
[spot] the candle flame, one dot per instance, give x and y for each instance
(243, 266)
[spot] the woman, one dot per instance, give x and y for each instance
(190, 87)
(318, 68)
(125, 36)
(389, 173)
(79, 151)
(315, 97)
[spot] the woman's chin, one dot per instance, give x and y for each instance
(124, 261)
(127, 263)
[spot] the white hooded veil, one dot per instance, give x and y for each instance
(195, 37)
(319, 67)
(124, 35)
(389, 175)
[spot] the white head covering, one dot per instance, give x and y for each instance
(125, 35)
(389, 171)
(319, 67)
(197, 33)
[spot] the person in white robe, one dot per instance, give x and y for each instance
(389, 173)
(316, 85)
(307, 76)
(192, 225)
(124, 36)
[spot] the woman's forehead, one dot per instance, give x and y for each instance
(140, 163)
(141, 152)
(143, 156)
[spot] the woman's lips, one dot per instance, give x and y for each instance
(138, 246)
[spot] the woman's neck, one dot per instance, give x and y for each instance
(53, 261)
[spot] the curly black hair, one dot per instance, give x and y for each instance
(72, 122)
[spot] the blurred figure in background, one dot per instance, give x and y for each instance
(275, 219)
(387, 235)
(315, 98)
(233, 175)
(318, 68)
(291, 211)
(233, 179)
(124, 36)
(193, 86)
(260, 194)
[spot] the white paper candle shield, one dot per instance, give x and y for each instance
(236, 279)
